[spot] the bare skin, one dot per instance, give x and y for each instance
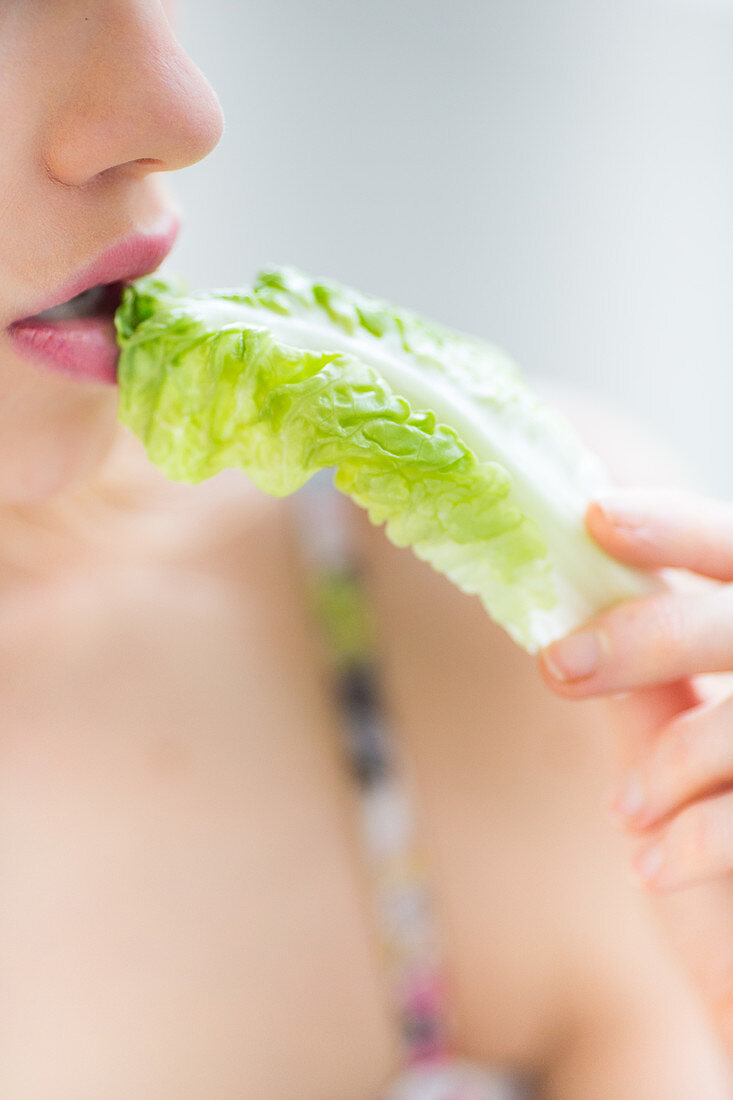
(185, 894)
(186, 909)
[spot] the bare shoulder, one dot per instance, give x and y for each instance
(168, 772)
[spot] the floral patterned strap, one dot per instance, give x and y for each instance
(341, 607)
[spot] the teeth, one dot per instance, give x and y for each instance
(83, 305)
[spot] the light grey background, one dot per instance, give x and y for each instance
(556, 175)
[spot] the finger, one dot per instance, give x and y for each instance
(655, 640)
(638, 716)
(692, 756)
(697, 845)
(658, 527)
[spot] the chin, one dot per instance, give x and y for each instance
(55, 433)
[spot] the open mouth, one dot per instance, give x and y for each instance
(76, 337)
(97, 301)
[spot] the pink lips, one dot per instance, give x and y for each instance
(83, 347)
(86, 347)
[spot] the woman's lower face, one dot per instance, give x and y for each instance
(55, 430)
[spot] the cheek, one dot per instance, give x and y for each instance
(54, 432)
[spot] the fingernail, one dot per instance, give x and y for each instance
(622, 510)
(577, 656)
(649, 863)
(630, 798)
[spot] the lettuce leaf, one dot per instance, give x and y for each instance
(434, 433)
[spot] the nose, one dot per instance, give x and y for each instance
(136, 102)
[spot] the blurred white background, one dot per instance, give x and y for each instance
(555, 175)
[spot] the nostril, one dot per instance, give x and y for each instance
(51, 175)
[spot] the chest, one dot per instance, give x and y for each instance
(181, 881)
(179, 821)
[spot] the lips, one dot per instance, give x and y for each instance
(73, 331)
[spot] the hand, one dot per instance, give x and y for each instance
(676, 790)
(682, 791)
